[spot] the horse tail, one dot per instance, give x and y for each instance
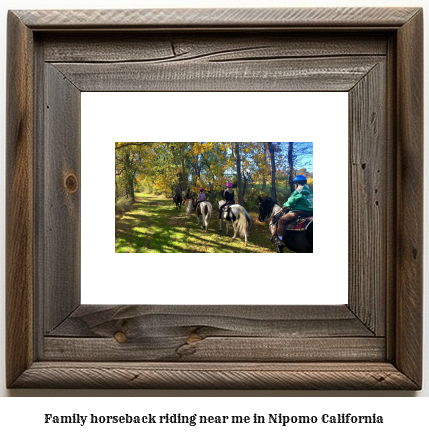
(244, 222)
(208, 215)
(188, 208)
(203, 213)
(206, 212)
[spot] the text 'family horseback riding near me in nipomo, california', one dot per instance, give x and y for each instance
(195, 419)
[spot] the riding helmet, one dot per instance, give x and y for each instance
(229, 185)
(201, 189)
(300, 179)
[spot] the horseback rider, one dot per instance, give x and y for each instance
(188, 196)
(228, 196)
(300, 203)
(179, 191)
(201, 197)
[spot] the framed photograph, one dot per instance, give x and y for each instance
(58, 59)
(160, 235)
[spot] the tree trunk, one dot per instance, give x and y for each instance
(239, 184)
(290, 163)
(273, 171)
(130, 183)
(264, 180)
(184, 175)
(129, 176)
(244, 185)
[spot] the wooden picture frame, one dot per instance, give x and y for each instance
(373, 342)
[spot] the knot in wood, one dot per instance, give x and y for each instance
(120, 337)
(193, 337)
(71, 183)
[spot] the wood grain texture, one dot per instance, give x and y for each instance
(368, 219)
(209, 18)
(329, 74)
(189, 347)
(391, 194)
(19, 200)
(99, 321)
(175, 47)
(409, 273)
(178, 347)
(110, 375)
(61, 187)
(213, 333)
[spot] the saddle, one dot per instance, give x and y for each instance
(300, 224)
(227, 205)
(225, 213)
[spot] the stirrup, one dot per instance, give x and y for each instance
(277, 241)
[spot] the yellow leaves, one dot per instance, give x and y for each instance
(198, 148)
(162, 184)
(163, 165)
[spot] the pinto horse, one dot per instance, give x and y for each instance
(177, 200)
(204, 210)
(299, 242)
(239, 217)
(189, 204)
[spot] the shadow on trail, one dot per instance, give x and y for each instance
(155, 226)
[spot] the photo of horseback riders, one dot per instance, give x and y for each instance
(214, 197)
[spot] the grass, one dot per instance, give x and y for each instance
(153, 225)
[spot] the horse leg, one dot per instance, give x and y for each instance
(235, 228)
(203, 216)
(220, 224)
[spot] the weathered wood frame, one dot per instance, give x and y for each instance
(374, 342)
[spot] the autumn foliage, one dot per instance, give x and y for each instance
(159, 167)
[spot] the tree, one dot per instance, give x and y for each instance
(160, 166)
(238, 166)
(272, 149)
(181, 162)
(264, 165)
(128, 162)
(293, 157)
(290, 161)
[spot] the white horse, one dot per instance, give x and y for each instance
(204, 209)
(188, 207)
(241, 221)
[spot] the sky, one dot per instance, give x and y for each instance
(305, 160)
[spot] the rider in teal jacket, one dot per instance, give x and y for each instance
(301, 199)
(300, 203)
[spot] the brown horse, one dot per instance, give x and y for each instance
(177, 200)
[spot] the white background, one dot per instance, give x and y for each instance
(305, 278)
(16, 414)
